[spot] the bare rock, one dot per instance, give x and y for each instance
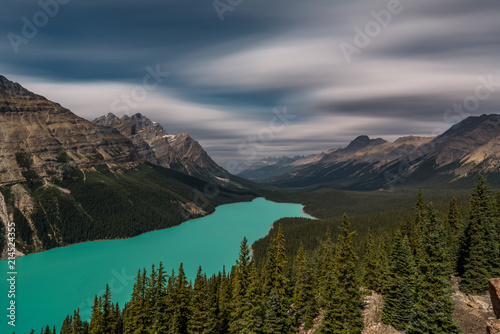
(372, 312)
(494, 285)
(43, 136)
(493, 327)
(155, 145)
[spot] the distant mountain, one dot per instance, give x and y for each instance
(155, 145)
(65, 180)
(454, 157)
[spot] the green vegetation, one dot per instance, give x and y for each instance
(279, 291)
(105, 204)
(23, 160)
(63, 157)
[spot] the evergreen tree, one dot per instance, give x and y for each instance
(480, 255)
(240, 282)
(342, 313)
(433, 310)
(304, 301)
(134, 317)
(325, 264)
(252, 316)
(77, 325)
(182, 304)
(224, 303)
(66, 326)
(399, 298)
(96, 317)
(455, 231)
(277, 302)
(372, 266)
(198, 322)
(109, 316)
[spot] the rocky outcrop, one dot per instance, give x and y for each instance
(372, 313)
(155, 145)
(40, 137)
(494, 285)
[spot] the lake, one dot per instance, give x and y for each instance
(50, 285)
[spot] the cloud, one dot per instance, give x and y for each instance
(226, 77)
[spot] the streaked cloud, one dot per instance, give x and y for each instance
(226, 77)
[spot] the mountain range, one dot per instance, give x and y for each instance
(64, 179)
(454, 157)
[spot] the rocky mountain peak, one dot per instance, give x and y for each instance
(363, 141)
(155, 145)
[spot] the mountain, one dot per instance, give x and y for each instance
(453, 158)
(42, 134)
(155, 145)
(65, 180)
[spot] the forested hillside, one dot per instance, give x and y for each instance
(321, 287)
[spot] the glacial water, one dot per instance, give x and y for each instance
(52, 284)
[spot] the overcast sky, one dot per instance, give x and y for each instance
(337, 68)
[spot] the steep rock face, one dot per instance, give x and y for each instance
(41, 136)
(154, 144)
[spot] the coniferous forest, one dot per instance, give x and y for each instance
(321, 287)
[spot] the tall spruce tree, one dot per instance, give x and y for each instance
(199, 319)
(252, 316)
(372, 266)
(181, 310)
(304, 297)
(241, 282)
(96, 318)
(399, 297)
(433, 309)
(455, 231)
(480, 255)
(277, 303)
(342, 313)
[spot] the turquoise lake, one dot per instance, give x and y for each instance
(50, 285)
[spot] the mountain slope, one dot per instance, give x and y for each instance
(454, 157)
(37, 132)
(155, 145)
(65, 180)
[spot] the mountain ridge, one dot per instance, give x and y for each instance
(467, 148)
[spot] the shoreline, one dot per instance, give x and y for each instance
(135, 236)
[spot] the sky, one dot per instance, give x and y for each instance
(252, 78)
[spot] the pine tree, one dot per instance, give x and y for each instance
(252, 316)
(109, 318)
(304, 301)
(134, 317)
(224, 303)
(480, 255)
(158, 302)
(399, 297)
(372, 267)
(342, 313)
(277, 302)
(96, 318)
(325, 264)
(198, 322)
(240, 282)
(455, 229)
(66, 326)
(77, 325)
(182, 304)
(433, 310)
